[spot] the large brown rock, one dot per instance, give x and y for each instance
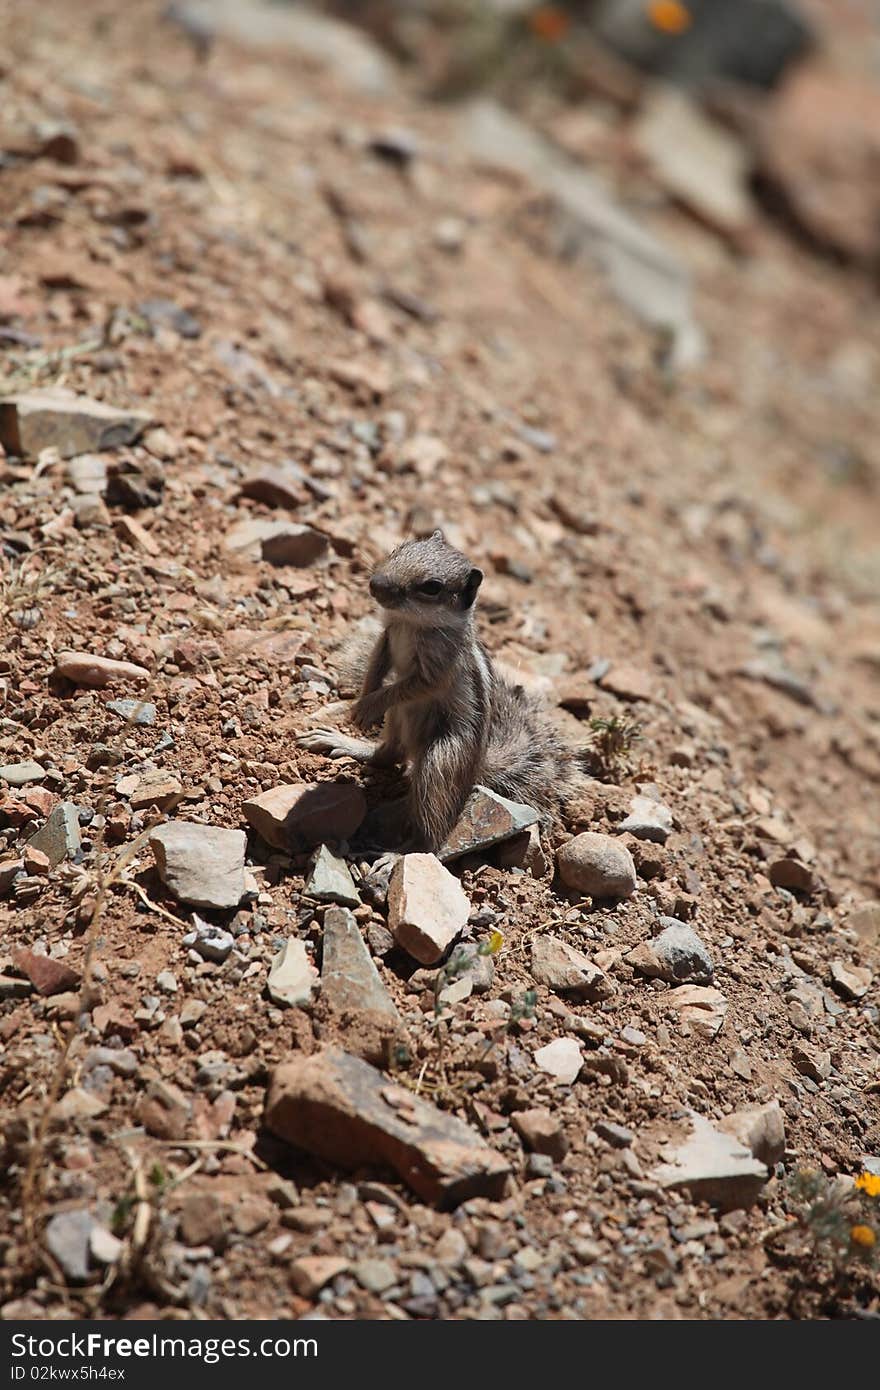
(290, 544)
(342, 1109)
(299, 815)
(47, 976)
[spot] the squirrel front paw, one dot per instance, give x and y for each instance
(367, 711)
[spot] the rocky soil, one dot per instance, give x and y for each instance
(262, 314)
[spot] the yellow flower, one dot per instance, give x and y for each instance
(864, 1236)
(496, 941)
(870, 1183)
(670, 16)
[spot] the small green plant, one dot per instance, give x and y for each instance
(612, 742)
(523, 1008)
(840, 1222)
(457, 965)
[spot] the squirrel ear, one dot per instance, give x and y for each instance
(438, 535)
(472, 584)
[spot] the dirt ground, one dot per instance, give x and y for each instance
(397, 325)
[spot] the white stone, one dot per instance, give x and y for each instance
(292, 977)
(713, 1167)
(562, 1059)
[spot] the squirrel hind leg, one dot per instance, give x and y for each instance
(440, 784)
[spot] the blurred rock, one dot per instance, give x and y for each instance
(295, 30)
(818, 155)
(644, 274)
(753, 41)
(698, 163)
(83, 668)
(562, 1059)
(72, 424)
(761, 1130)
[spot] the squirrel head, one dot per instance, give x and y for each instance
(427, 583)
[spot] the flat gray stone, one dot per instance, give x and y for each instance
(648, 819)
(140, 712)
(59, 838)
(73, 424)
(202, 864)
(487, 819)
(347, 51)
(19, 774)
(330, 880)
(349, 979)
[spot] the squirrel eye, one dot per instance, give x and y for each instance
(432, 587)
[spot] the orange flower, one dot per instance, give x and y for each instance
(670, 16)
(864, 1236)
(549, 23)
(870, 1183)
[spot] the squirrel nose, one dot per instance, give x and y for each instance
(380, 586)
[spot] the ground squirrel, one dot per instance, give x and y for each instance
(449, 716)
